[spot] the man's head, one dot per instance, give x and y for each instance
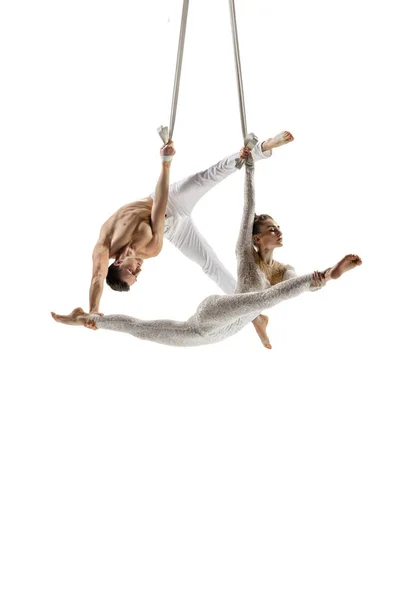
(267, 234)
(123, 273)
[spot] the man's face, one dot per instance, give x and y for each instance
(129, 269)
(270, 236)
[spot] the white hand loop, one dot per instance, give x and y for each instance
(163, 132)
(250, 141)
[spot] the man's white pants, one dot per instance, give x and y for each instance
(179, 227)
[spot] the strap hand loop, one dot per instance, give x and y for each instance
(250, 141)
(163, 132)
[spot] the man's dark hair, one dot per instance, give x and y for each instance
(114, 280)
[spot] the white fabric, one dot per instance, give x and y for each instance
(180, 229)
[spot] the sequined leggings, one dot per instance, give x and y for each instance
(216, 317)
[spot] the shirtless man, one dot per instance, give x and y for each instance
(135, 232)
(131, 235)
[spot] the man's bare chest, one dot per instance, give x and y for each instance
(131, 231)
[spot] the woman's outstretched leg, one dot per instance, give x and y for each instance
(220, 311)
(215, 313)
(161, 331)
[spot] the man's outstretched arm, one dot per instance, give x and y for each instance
(161, 199)
(101, 254)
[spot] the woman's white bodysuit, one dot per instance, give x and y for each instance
(219, 317)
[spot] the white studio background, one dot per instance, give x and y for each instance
(136, 471)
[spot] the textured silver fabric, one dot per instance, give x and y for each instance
(219, 317)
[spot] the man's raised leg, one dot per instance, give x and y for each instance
(187, 238)
(185, 194)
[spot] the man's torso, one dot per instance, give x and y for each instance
(130, 226)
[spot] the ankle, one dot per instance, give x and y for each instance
(267, 145)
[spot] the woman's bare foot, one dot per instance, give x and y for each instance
(77, 317)
(350, 261)
(279, 140)
(260, 325)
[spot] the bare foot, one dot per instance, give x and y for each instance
(77, 317)
(350, 261)
(260, 324)
(279, 140)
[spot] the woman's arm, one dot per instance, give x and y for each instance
(244, 247)
(248, 276)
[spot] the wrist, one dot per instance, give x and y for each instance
(327, 274)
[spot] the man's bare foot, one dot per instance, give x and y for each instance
(260, 325)
(350, 261)
(77, 317)
(279, 140)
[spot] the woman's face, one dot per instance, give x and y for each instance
(269, 236)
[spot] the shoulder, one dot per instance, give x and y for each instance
(139, 206)
(153, 247)
(279, 268)
(288, 268)
(289, 272)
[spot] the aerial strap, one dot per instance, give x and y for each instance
(164, 132)
(249, 139)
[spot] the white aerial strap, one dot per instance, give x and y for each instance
(164, 132)
(249, 139)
